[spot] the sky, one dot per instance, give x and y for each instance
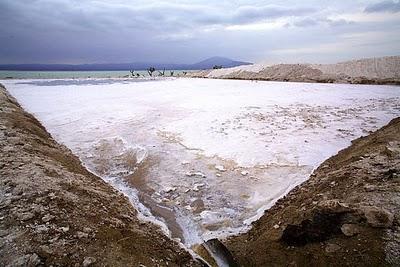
(123, 31)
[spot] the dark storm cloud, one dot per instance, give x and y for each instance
(114, 30)
(385, 6)
(77, 14)
(80, 31)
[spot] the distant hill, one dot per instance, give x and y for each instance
(205, 64)
(217, 61)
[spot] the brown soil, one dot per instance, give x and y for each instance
(54, 212)
(346, 214)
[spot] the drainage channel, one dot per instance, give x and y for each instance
(211, 252)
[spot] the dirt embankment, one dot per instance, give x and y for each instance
(385, 70)
(54, 212)
(346, 214)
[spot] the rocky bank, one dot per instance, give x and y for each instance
(53, 212)
(384, 70)
(346, 214)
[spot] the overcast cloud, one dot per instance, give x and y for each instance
(105, 31)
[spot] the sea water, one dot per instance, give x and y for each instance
(5, 74)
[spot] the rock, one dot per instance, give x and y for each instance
(87, 230)
(220, 168)
(20, 261)
(196, 186)
(80, 235)
(378, 217)
(37, 209)
(5, 203)
(276, 226)
(350, 229)
(54, 239)
(191, 174)
(47, 218)
(169, 189)
(333, 205)
(205, 254)
(88, 261)
(253, 178)
(46, 250)
(3, 233)
(34, 260)
(26, 216)
(197, 205)
(244, 173)
(165, 200)
(29, 260)
(41, 228)
(19, 190)
(218, 175)
(64, 229)
(331, 248)
(392, 149)
(124, 216)
(391, 174)
(369, 188)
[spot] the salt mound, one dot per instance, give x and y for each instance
(384, 70)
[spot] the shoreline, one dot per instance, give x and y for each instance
(373, 71)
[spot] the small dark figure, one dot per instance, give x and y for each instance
(161, 73)
(151, 70)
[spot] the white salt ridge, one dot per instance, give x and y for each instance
(372, 68)
(278, 132)
(226, 71)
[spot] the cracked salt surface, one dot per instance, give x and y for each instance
(205, 156)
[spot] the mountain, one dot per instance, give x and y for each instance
(205, 64)
(217, 61)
